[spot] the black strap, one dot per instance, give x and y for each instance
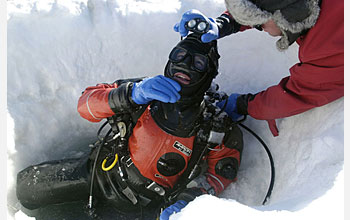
(184, 179)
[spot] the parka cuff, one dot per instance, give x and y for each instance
(242, 103)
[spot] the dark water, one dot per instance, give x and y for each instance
(79, 211)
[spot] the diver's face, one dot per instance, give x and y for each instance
(187, 65)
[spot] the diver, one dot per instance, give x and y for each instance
(168, 142)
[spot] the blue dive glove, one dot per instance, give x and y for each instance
(211, 34)
(174, 208)
(231, 106)
(156, 88)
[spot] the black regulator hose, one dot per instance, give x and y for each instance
(272, 165)
(272, 181)
(100, 129)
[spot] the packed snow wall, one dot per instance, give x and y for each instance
(58, 48)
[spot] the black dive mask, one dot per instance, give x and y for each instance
(194, 65)
(199, 62)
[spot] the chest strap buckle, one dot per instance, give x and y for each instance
(130, 195)
(156, 188)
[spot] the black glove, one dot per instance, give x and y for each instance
(242, 103)
(226, 25)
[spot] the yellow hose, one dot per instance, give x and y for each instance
(104, 168)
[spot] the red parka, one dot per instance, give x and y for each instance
(317, 79)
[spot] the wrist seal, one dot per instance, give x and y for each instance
(119, 99)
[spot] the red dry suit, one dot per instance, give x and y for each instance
(148, 142)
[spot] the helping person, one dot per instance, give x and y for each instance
(318, 28)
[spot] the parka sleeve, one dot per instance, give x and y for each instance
(309, 85)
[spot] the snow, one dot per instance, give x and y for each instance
(57, 48)
(201, 208)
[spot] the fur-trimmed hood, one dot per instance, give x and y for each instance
(291, 16)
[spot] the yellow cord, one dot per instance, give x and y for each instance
(104, 168)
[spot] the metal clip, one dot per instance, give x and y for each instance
(128, 162)
(156, 188)
(122, 128)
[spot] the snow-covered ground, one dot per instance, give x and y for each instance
(57, 48)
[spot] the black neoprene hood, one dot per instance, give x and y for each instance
(195, 90)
